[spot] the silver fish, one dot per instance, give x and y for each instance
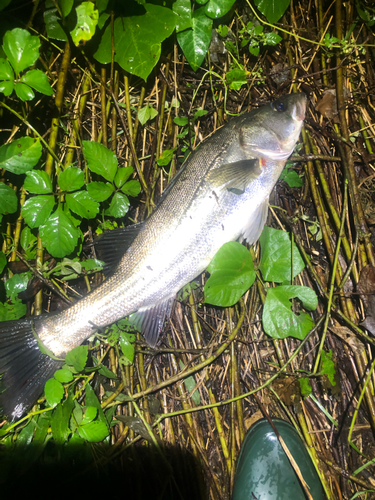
(220, 194)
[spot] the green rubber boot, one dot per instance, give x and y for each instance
(264, 471)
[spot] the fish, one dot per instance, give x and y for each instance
(220, 194)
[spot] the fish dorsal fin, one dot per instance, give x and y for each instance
(235, 176)
(150, 320)
(112, 245)
(254, 227)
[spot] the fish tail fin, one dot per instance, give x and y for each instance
(24, 369)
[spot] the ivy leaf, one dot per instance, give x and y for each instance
(183, 9)
(38, 81)
(38, 182)
(21, 48)
(100, 159)
(71, 179)
(36, 210)
(278, 319)
(100, 191)
(12, 310)
(123, 175)
(63, 375)
(232, 274)
(119, 205)
(59, 235)
(275, 263)
(21, 155)
(131, 188)
(8, 199)
(146, 113)
(24, 92)
(218, 8)
(77, 357)
(82, 204)
(272, 9)
(87, 20)
(94, 432)
(54, 391)
(195, 42)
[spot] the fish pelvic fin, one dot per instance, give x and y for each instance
(253, 229)
(150, 320)
(24, 369)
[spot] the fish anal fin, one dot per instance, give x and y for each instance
(235, 176)
(150, 320)
(253, 229)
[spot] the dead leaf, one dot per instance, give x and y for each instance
(327, 104)
(349, 337)
(366, 283)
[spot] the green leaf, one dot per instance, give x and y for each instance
(21, 48)
(24, 92)
(190, 386)
(236, 78)
(63, 375)
(254, 50)
(71, 179)
(327, 366)
(100, 159)
(166, 157)
(183, 9)
(82, 204)
(38, 182)
(199, 113)
(54, 29)
(54, 391)
(3, 261)
(278, 319)
(272, 38)
(305, 386)
(14, 310)
(17, 283)
(291, 178)
(275, 263)
(232, 274)
(59, 234)
(272, 9)
(21, 155)
(94, 432)
(138, 39)
(8, 199)
(36, 210)
(60, 421)
(127, 348)
(77, 357)
(146, 113)
(90, 415)
(131, 188)
(6, 71)
(66, 6)
(100, 191)
(119, 205)
(181, 121)
(28, 243)
(195, 42)
(87, 20)
(103, 370)
(6, 88)
(123, 175)
(92, 400)
(218, 8)
(38, 81)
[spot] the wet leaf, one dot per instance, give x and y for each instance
(36, 210)
(100, 159)
(119, 206)
(17, 283)
(63, 375)
(77, 357)
(218, 8)
(8, 199)
(100, 191)
(183, 9)
(21, 155)
(59, 234)
(131, 188)
(38, 182)
(123, 175)
(54, 29)
(94, 432)
(90, 415)
(272, 9)
(71, 179)
(6, 71)
(21, 48)
(87, 20)
(60, 421)
(12, 310)
(82, 204)
(196, 41)
(24, 92)
(38, 81)
(54, 391)
(127, 348)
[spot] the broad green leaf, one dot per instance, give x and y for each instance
(8, 199)
(3, 261)
(236, 78)
(127, 348)
(71, 179)
(77, 357)
(138, 39)
(54, 391)
(103, 370)
(327, 366)
(38, 81)
(291, 178)
(119, 206)
(41, 429)
(92, 400)
(94, 432)
(181, 121)
(6, 72)
(17, 283)
(146, 113)
(4, 3)
(54, 29)
(279, 321)
(232, 274)
(123, 175)
(90, 414)
(60, 421)
(82, 204)
(66, 6)
(272, 9)
(195, 42)
(190, 386)
(100, 159)
(272, 38)
(14, 310)
(24, 92)
(183, 9)
(63, 375)
(21, 155)
(218, 8)
(305, 386)
(36, 210)
(131, 188)
(6, 88)
(21, 48)
(275, 263)
(166, 157)
(28, 242)
(87, 19)
(59, 235)
(38, 182)
(100, 191)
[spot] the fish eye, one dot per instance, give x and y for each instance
(279, 106)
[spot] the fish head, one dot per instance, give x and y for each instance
(271, 132)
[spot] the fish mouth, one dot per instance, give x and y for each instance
(299, 108)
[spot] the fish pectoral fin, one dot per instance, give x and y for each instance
(111, 245)
(235, 176)
(150, 320)
(254, 227)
